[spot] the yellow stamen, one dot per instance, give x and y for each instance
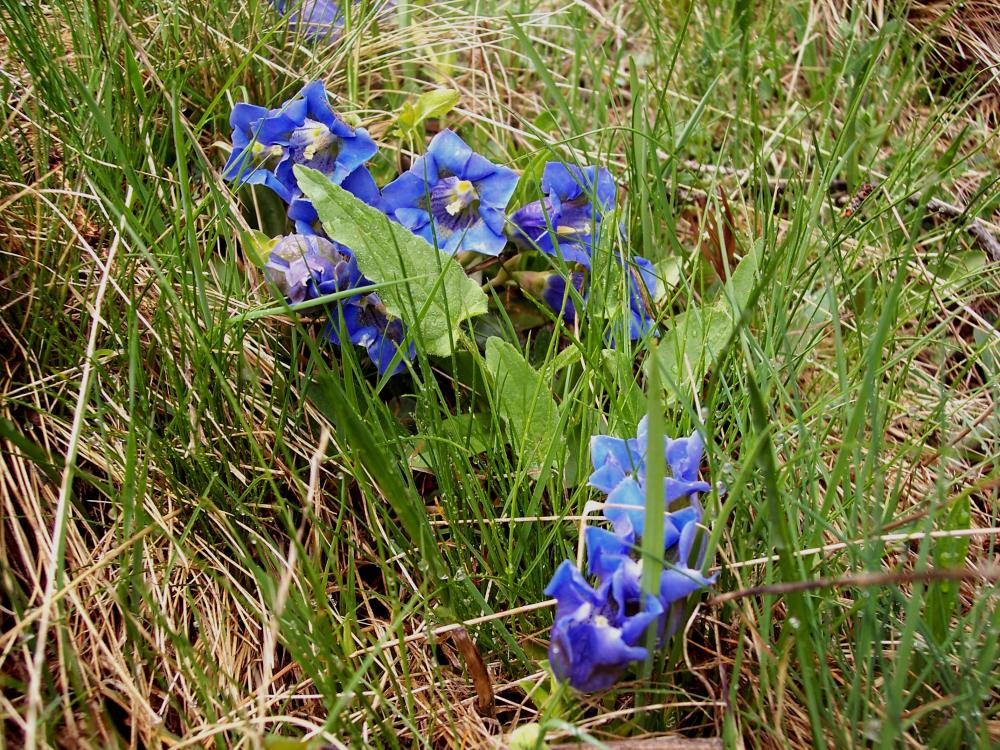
(464, 192)
(320, 139)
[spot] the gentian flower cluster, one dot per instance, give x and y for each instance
(304, 267)
(267, 144)
(451, 196)
(565, 224)
(598, 630)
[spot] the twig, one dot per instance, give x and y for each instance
(485, 702)
(977, 227)
(988, 572)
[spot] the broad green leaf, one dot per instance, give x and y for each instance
(436, 103)
(691, 347)
(528, 737)
(740, 285)
(437, 295)
(668, 274)
(568, 356)
(698, 337)
(470, 432)
(545, 122)
(523, 400)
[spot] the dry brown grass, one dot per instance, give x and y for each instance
(964, 38)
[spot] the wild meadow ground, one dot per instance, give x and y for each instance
(207, 515)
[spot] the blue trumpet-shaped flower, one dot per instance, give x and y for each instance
(306, 267)
(620, 471)
(319, 20)
(260, 143)
(593, 638)
(452, 197)
(551, 288)
(556, 294)
(614, 460)
(612, 558)
(267, 144)
(642, 281)
(368, 324)
(596, 630)
(563, 222)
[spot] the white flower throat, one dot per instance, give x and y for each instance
(463, 194)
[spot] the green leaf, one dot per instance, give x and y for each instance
(437, 295)
(741, 283)
(698, 337)
(668, 273)
(545, 122)
(568, 356)
(523, 400)
(469, 433)
(527, 737)
(687, 351)
(436, 103)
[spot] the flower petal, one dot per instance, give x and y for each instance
(497, 188)
(451, 153)
(570, 589)
(627, 500)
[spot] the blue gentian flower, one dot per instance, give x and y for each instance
(306, 267)
(556, 294)
(620, 471)
(550, 287)
(260, 143)
(614, 460)
(367, 323)
(324, 142)
(596, 630)
(613, 558)
(683, 455)
(319, 20)
(452, 196)
(593, 638)
(267, 144)
(562, 223)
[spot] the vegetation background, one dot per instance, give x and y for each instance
(197, 552)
